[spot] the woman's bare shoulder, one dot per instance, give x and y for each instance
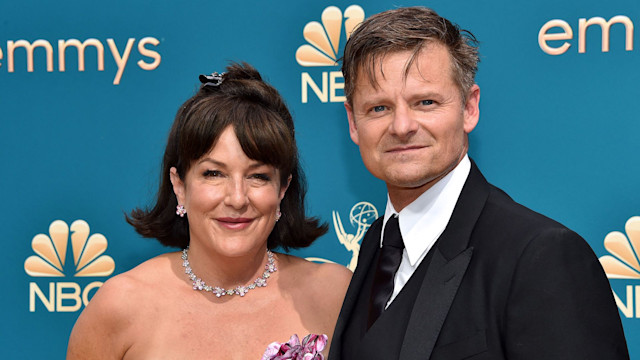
(111, 312)
(329, 278)
(325, 268)
(320, 287)
(134, 283)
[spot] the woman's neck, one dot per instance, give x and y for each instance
(223, 271)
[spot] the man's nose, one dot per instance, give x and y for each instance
(404, 123)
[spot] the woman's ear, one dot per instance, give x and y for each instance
(178, 185)
(283, 189)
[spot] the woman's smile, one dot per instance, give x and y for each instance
(233, 223)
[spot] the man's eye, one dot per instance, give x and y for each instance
(212, 173)
(427, 102)
(379, 108)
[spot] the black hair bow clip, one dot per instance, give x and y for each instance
(213, 80)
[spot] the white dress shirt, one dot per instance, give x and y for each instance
(423, 221)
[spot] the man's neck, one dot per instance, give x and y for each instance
(400, 197)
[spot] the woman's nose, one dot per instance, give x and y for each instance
(236, 196)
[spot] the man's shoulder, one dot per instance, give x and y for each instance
(499, 203)
(509, 227)
(501, 211)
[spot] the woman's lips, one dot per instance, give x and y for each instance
(234, 223)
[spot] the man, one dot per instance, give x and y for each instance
(478, 275)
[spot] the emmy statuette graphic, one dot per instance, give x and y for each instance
(362, 215)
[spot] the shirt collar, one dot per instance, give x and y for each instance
(424, 220)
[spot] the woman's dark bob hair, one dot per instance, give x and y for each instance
(264, 128)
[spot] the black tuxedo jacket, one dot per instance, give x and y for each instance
(504, 282)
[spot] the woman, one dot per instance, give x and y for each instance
(231, 191)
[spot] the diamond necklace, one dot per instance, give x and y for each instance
(199, 284)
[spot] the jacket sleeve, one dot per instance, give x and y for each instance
(560, 303)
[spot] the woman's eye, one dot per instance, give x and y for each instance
(263, 177)
(212, 173)
(426, 102)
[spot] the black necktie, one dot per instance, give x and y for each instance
(388, 263)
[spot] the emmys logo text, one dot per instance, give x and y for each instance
(23, 49)
(51, 261)
(322, 50)
(554, 36)
(623, 264)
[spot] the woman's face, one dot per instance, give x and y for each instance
(231, 200)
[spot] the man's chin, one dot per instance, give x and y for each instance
(409, 183)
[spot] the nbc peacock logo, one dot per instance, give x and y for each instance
(324, 39)
(51, 261)
(323, 49)
(623, 264)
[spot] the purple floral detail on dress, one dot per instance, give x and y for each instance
(309, 349)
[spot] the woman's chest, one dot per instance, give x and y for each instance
(212, 332)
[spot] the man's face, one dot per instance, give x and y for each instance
(412, 130)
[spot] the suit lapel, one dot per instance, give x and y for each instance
(368, 248)
(451, 257)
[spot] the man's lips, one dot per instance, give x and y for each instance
(234, 223)
(405, 148)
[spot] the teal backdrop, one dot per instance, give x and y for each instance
(81, 137)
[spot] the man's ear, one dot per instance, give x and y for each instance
(472, 109)
(178, 185)
(353, 129)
